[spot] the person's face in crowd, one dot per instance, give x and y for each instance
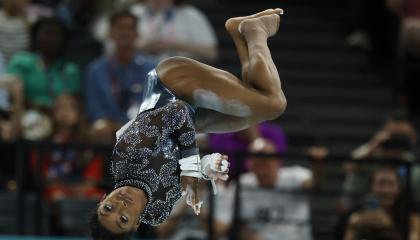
(265, 169)
(50, 39)
(386, 187)
(66, 111)
(159, 5)
(124, 33)
(119, 211)
(15, 7)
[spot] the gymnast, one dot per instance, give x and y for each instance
(155, 159)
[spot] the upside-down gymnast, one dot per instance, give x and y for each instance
(155, 159)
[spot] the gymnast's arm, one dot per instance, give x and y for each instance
(184, 134)
(184, 137)
(210, 167)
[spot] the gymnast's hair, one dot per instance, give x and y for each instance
(99, 232)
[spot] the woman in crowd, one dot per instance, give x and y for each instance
(70, 172)
(44, 71)
(384, 215)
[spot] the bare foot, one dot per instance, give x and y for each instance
(268, 24)
(232, 24)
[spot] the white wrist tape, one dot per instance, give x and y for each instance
(191, 166)
(205, 168)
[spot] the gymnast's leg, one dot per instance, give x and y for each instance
(258, 99)
(232, 26)
(211, 121)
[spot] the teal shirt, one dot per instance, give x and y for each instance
(43, 84)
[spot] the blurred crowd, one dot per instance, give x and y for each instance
(390, 31)
(72, 72)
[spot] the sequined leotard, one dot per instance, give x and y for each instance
(148, 149)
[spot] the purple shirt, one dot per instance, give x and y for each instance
(230, 143)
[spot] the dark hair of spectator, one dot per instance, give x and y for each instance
(121, 14)
(46, 21)
(99, 232)
(400, 212)
(179, 2)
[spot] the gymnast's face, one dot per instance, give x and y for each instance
(119, 211)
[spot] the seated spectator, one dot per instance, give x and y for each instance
(397, 140)
(270, 199)
(384, 215)
(238, 142)
(114, 84)
(44, 71)
(14, 28)
(67, 172)
(170, 27)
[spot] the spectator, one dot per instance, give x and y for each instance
(44, 71)
(271, 203)
(170, 27)
(397, 140)
(384, 215)
(114, 84)
(233, 143)
(14, 28)
(67, 172)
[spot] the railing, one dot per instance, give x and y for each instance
(22, 147)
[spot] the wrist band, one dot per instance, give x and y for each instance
(191, 166)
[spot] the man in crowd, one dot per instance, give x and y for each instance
(114, 83)
(271, 202)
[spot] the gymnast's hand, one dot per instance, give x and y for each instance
(190, 189)
(213, 167)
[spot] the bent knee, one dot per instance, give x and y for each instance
(276, 107)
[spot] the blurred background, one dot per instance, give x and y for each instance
(341, 163)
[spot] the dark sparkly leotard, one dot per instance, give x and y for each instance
(147, 152)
